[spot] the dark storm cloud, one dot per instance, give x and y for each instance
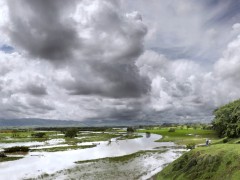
(132, 110)
(40, 28)
(118, 81)
(36, 89)
(39, 106)
(45, 30)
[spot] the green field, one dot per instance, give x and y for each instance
(184, 136)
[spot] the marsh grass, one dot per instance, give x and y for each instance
(4, 159)
(12, 136)
(62, 148)
(123, 158)
(129, 136)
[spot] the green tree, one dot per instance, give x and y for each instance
(71, 133)
(130, 130)
(227, 120)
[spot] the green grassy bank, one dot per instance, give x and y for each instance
(217, 162)
(184, 136)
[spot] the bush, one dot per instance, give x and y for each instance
(191, 146)
(2, 155)
(16, 149)
(225, 140)
(71, 133)
(38, 135)
(171, 130)
(130, 130)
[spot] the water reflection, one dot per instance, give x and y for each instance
(37, 163)
(148, 134)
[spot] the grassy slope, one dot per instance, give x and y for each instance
(220, 161)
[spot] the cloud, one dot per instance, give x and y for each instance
(118, 60)
(42, 29)
(176, 88)
(36, 90)
(95, 41)
(227, 73)
(185, 29)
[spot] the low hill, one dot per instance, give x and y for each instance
(37, 123)
(217, 162)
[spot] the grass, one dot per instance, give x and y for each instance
(12, 136)
(4, 159)
(184, 136)
(15, 149)
(123, 158)
(220, 161)
(62, 148)
(91, 137)
(129, 136)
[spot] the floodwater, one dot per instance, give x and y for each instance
(33, 143)
(37, 163)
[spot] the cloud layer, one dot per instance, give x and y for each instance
(118, 60)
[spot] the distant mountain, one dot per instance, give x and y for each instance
(111, 123)
(38, 123)
(34, 122)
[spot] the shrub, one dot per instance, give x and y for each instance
(71, 133)
(191, 146)
(171, 130)
(38, 135)
(130, 130)
(2, 155)
(16, 149)
(225, 140)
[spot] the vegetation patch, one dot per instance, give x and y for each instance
(25, 135)
(123, 158)
(62, 148)
(96, 137)
(4, 159)
(39, 135)
(15, 149)
(129, 136)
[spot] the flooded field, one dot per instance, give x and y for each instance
(137, 158)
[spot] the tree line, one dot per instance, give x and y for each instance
(227, 120)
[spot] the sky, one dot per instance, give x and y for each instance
(118, 60)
